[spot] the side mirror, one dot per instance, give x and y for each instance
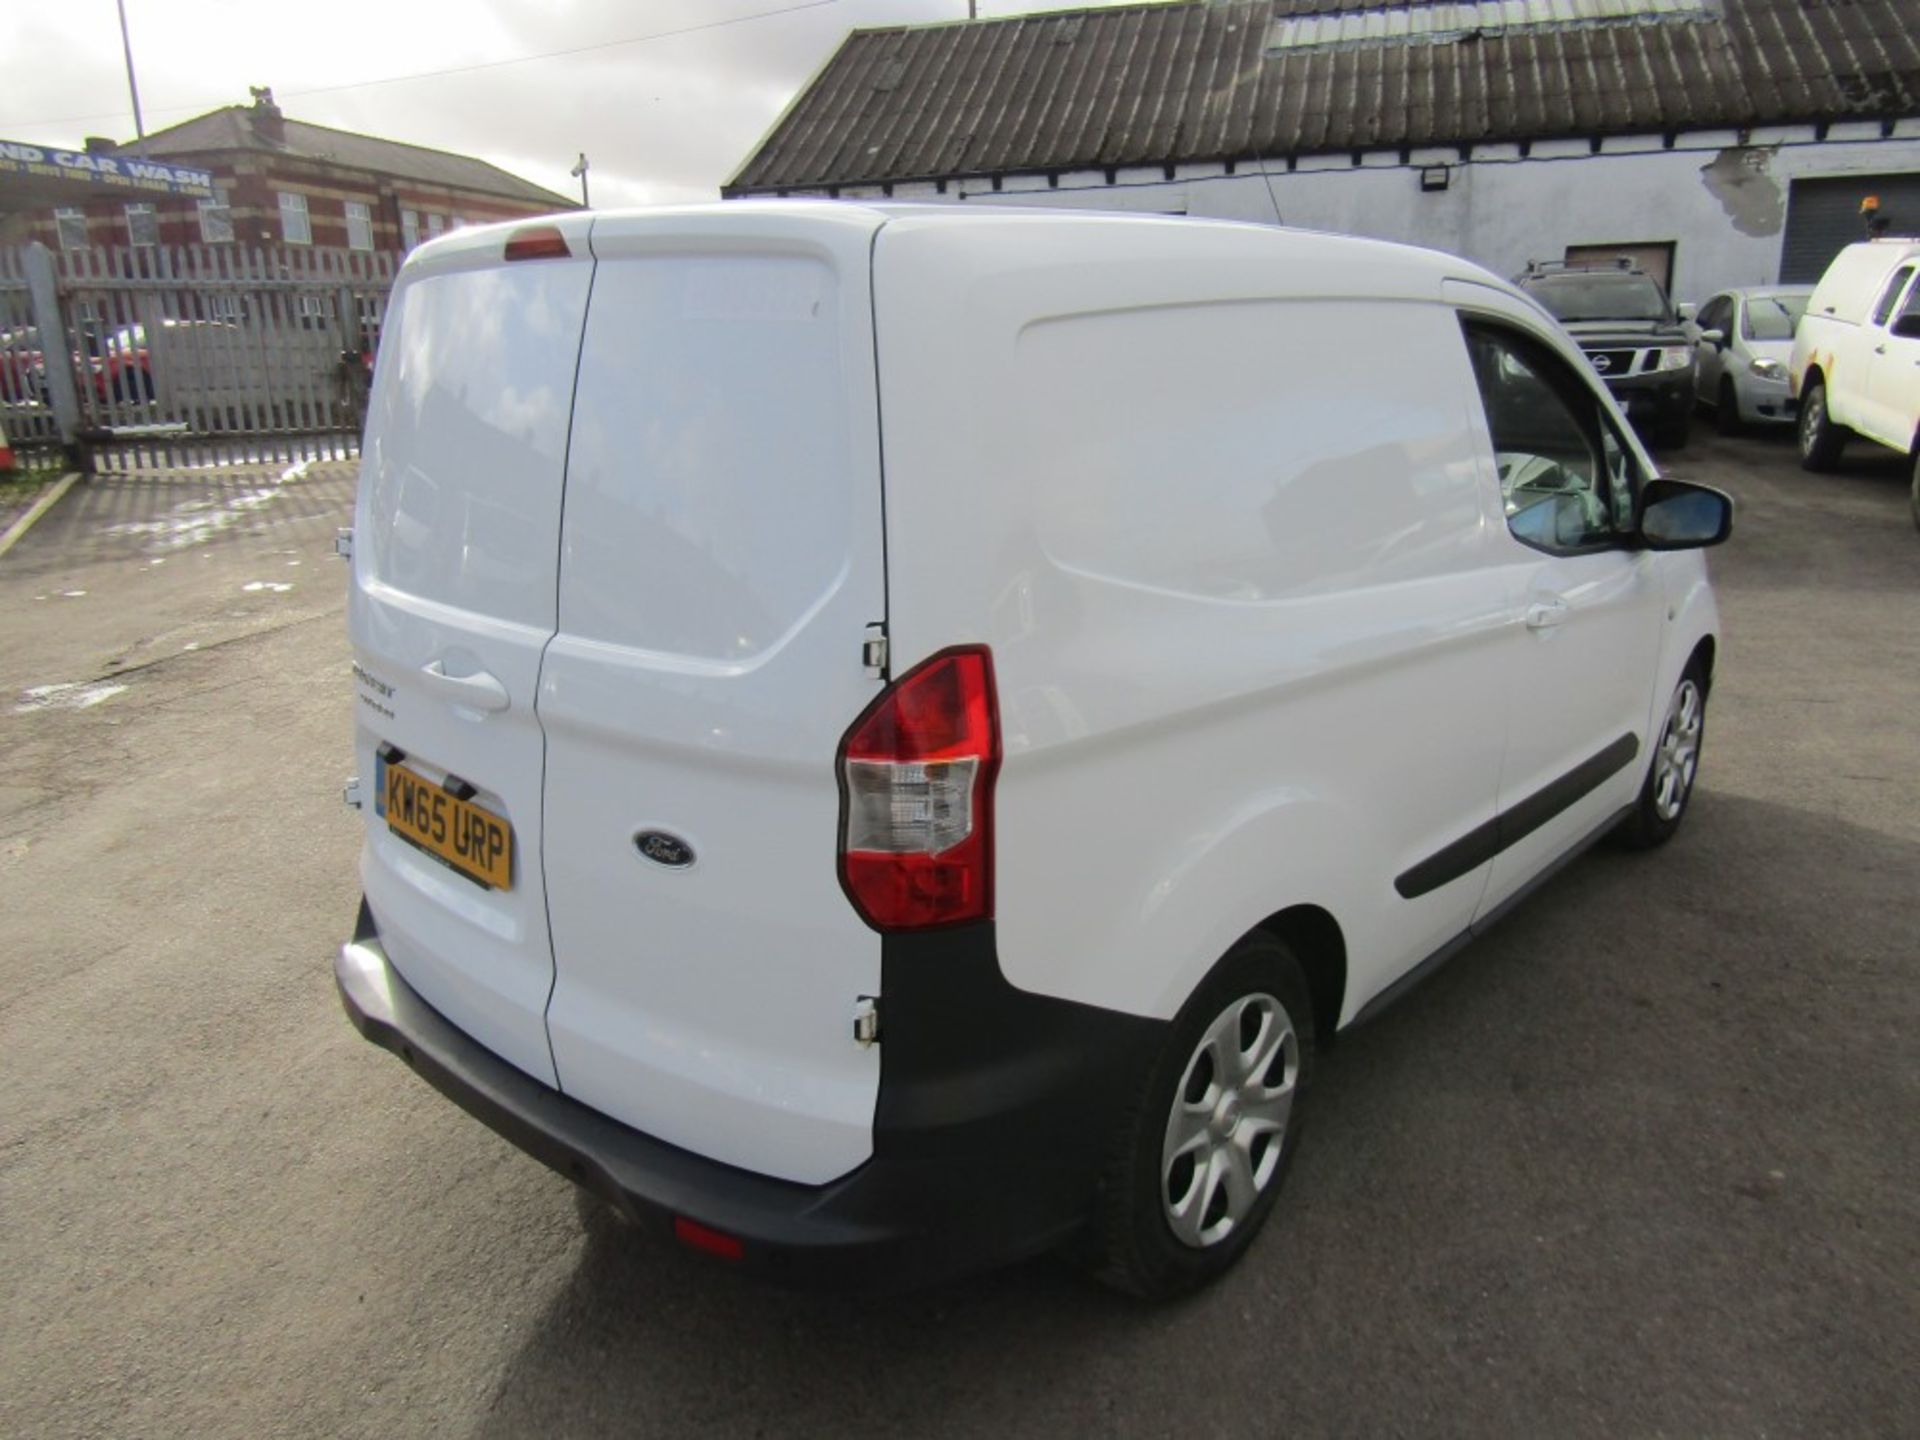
(1687, 311)
(1676, 515)
(1907, 327)
(1715, 338)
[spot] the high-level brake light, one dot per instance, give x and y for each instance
(916, 780)
(537, 242)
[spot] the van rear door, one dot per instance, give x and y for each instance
(456, 528)
(722, 559)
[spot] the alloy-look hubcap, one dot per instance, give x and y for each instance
(1229, 1121)
(1679, 754)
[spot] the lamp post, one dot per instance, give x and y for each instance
(579, 171)
(126, 46)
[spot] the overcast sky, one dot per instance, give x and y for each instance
(662, 116)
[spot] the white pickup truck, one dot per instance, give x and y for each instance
(1856, 356)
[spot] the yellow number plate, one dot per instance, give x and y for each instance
(476, 842)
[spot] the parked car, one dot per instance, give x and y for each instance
(1856, 356)
(23, 376)
(868, 855)
(120, 366)
(1631, 334)
(1744, 344)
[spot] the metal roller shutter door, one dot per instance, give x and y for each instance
(1824, 215)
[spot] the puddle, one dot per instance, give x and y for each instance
(195, 522)
(73, 696)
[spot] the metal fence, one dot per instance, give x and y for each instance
(192, 355)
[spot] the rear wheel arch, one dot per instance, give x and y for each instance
(1318, 944)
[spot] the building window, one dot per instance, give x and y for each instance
(436, 225)
(216, 219)
(143, 226)
(359, 226)
(409, 228)
(73, 228)
(454, 222)
(225, 307)
(294, 227)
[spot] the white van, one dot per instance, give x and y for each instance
(896, 732)
(1856, 355)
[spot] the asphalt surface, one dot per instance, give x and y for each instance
(1641, 1162)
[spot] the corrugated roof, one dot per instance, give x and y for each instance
(1196, 82)
(231, 129)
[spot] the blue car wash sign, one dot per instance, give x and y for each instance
(108, 172)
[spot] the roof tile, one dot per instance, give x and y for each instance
(1195, 81)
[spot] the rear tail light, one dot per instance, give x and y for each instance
(916, 784)
(696, 1236)
(537, 242)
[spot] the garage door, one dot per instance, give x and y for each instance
(1824, 215)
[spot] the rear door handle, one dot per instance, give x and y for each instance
(478, 691)
(1545, 614)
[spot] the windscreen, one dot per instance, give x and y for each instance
(1772, 317)
(1573, 298)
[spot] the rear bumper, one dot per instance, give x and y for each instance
(993, 1119)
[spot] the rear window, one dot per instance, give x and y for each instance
(1599, 297)
(710, 495)
(467, 437)
(1772, 317)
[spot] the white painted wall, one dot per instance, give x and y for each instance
(1723, 201)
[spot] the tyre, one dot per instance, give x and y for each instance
(1676, 763)
(1821, 441)
(1198, 1157)
(1726, 411)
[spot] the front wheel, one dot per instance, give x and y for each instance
(1199, 1156)
(1676, 762)
(1821, 441)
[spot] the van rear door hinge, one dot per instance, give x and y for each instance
(866, 1022)
(873, 651)
(343, 544)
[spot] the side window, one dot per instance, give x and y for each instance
(1716, 314)
(1911, 309)
(1566, 481)
(1883, 307)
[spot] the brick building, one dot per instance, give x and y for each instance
(285, 182)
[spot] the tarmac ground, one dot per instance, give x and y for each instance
(1643, 1161)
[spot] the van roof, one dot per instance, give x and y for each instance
(1397, 269)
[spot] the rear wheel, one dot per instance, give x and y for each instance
(1821, 441)
(1198, 1159)
(1726, 410)
(1676, 762)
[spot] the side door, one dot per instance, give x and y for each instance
(1582, 648)
(1892, 402)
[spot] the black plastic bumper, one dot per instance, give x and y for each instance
(994, 1114)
